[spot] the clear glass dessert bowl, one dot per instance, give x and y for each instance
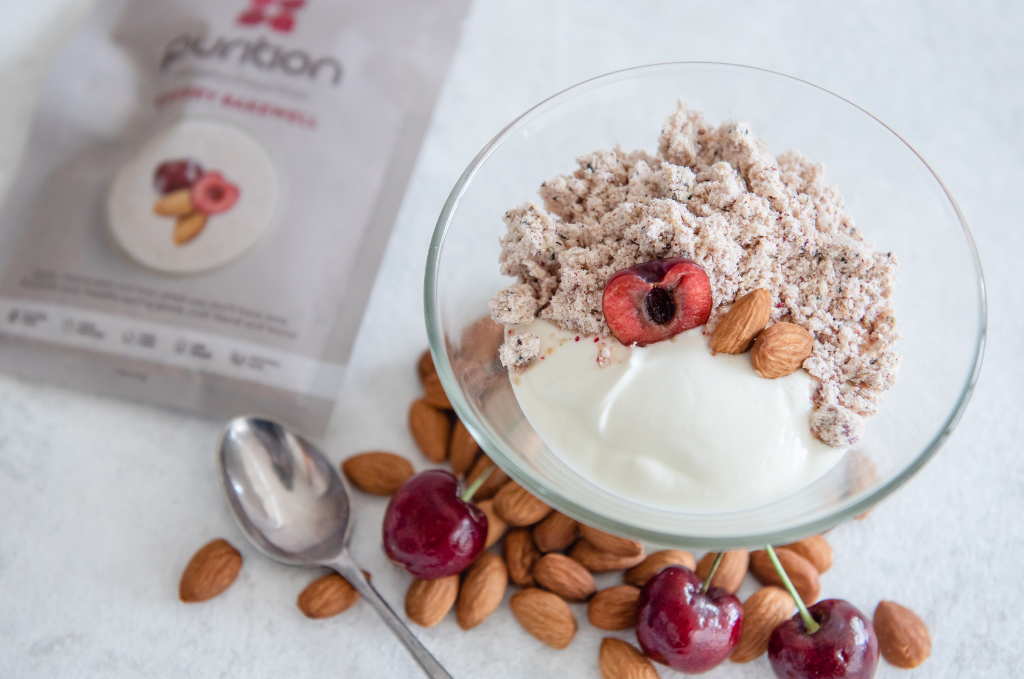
(896, 200)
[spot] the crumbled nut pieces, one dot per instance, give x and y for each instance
(519, 350)
(751, 220)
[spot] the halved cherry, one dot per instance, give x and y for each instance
(656, 300)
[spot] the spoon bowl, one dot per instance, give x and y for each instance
(283, 493)
(293, 506)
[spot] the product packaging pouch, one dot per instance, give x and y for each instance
(206, 193)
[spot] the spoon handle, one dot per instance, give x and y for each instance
(347, 568)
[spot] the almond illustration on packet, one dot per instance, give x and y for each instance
(190, 195)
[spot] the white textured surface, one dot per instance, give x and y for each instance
(103, 502)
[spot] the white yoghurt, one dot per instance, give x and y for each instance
(670, 424)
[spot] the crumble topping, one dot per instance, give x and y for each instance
(519, 349)
(750, 220)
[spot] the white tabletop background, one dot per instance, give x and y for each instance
(103, 502)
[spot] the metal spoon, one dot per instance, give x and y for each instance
(291, 504)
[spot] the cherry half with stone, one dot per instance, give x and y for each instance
(656, 300)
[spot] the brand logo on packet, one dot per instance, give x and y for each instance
(279, 15)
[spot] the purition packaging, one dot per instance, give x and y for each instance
(206, 193)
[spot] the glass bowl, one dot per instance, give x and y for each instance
(896, 200)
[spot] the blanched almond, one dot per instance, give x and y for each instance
(377, 472)
(518, 507)
(546, 616)
(614, 609)
(801, 572)
(564, 576)
(597, 561)
(482, 590)
(428, 601)
(738, 328)
(520, 555)
(762, 612)
(613, 544)
(729, 575)
(639, 575)
(555, 533)
(619, 660)
(431, 429)
(211, 571)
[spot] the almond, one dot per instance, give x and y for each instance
(495, 480)
(188, 227)
(731, 571)
(780, 350)
(495, 525)
(520, 555)
(515, 504)
(801, 572)
(431, 429)
(482, 590)
(555, 533)
(619, 660)
(597, 561)
(816, 550)
(428, 601)
(433, 393)
(210, 572)
(425, 367)
(738, 328)
(563, 576)
(175, 204)
(544, 615)
(327, 596)
(462, 450)
(611, 543)
(903, 638)
(649, 567)
(614, 609)
(762, 613)
(377, 472)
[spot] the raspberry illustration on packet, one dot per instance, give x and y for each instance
(191, 195)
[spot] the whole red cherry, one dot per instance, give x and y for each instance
(430, 530)
(174, 175)
(656, 300)
(682, 628)
(844, 646)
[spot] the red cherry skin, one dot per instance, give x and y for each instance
(656, 300)
(682, 628)
(430, 530)
(173, 175)
(845, 646)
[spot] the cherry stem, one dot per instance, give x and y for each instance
(810, 623)
(468, 494)
(711, 573)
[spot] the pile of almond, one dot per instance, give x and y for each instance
(553, 559)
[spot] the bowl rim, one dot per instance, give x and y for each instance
(494, 449)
